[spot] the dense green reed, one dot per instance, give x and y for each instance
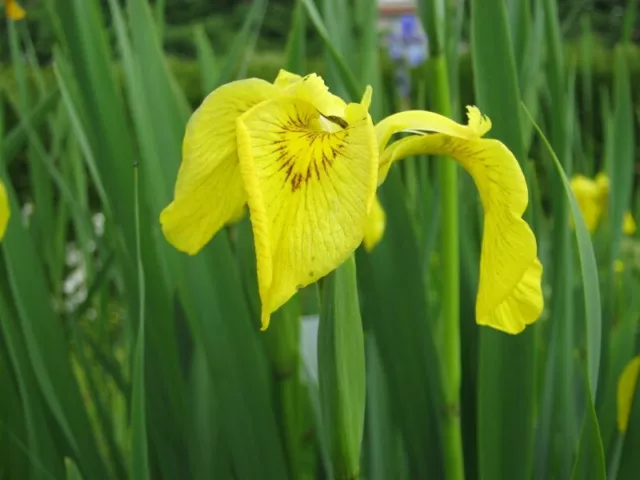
(121, 357)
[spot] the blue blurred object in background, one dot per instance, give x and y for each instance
(407, 47)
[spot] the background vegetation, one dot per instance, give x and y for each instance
(121, 358)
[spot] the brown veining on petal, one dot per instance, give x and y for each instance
(305, 152)
(296, 180)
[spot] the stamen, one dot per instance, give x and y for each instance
(337, 120)
(341, 122)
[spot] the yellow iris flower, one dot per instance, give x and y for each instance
(4, 210)
(308, 166)
(509, 293)
(13, 10)
(626, 391)
(592, 196)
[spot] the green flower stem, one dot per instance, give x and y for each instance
(450, 361)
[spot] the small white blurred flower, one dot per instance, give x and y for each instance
(27, 212)
(73, 301)
(74, 255)
(74, 281)
(98, 224)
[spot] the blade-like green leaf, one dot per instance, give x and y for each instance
(506, 364)
(352, 85)
(139, 448)
(623, 151)
(629, 460)
(589, 274)
(216, 305)
(236, 59)
(16, 137)
(38, 445)
(46, 346)
(296, 50)
(590, 461)
(394, 309)
(207, 62)
(341, 370)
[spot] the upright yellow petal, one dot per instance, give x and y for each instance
(366, 97)
(626, 391)
(285, 79)
(4, 210)
(312, 89)
(591, 198)
(13, 10)
(209, 191)
(628, 224)
(310, 183)
(374, 226)
(510, 293)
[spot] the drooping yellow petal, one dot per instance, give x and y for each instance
(209, 191)
(423, 121)
(591, 198)
(374, 226)
(626, 390)
(628, 224)
(509, 293)
(310, 183)
(13, 10)
(5, 213)
(521, 307)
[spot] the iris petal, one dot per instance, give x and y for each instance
(285, 79)
(590, 199)
(424, 121)
(309, 191)
(4, 210)
(312, 89)
(209, 191)
(13, 10)
(593, 199)
(626, 391)
(509, 294)
(628, 224)
(374, 226)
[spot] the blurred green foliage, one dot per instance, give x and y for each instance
(222, 18)
(267, 64)
(223, 401)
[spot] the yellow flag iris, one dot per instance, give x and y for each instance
(509, 293)
(592, 196)
(304, 161)
(308, 165)
(13, 10)
(4, 210)
(626, 392)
